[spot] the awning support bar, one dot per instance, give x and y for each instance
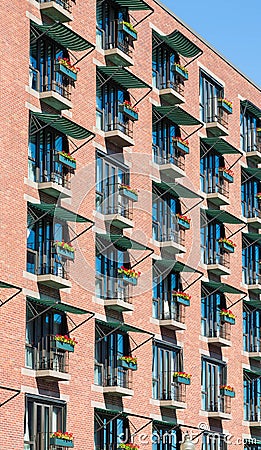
(92, 314)
(144, 18)
(143, 259)
(190, 209)
(144, 342)
(193, 59)
(80, 234)
(85, 143)
(195, 281)
(16, 393)
(195, 131)
(238, 231)
(11, 297)
(238, 301)
(144, 96)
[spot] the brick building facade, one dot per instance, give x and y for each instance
(130, 217)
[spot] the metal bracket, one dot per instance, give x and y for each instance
(144, 18)
(238, 301)
(195, 281)
(11, 297)
(118, 328)
(233, 234)
(16, 393)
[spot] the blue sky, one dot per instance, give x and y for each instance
(231, 26)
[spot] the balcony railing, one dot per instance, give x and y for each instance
(58, 87)
(176, 83)
(160, 157)
(110, 288)
(253, 410)
(219, 258)
(124, 127)
(250, 211)
(252, 343)
(45, 356)
(220, 116)
(172, 234)
(166, 308)
(115, 38)
(108, 376)
(167, 389)
(212, 329)
(60, 84)
(46, 261)
(214, 184)
(215, 402)
(251, 277)
(66, 4)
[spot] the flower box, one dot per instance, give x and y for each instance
(127, 365)
(182, 300)
(128, 193)
(130, 113)
(227, 247)
(176, 68)
(183, 223)
(227, 392)
(181, 380)
(227, 176)
(129, 30)
(130, 280)
(68, 443)
(61, 158)
(63, 346)
(64, 252)
(222, 104)
(228, 319)
(179, 145)
(66, 71)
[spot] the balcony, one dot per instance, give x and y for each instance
(219, 407)
(117, 44)
(172, 397)
(169, 313)
(170, 166)
(217, 333)
(252, 345)
(216, 188)
(53, 272)
(120, 134)
(252, 280)
(217, 124)
(114, 293)
(171, 91)
(253, 152)
(253, 216)
(114, 381)
(57, 95)
(220, 264)
(58, 10)
(253, 413)
(170, 241)
(120, 214)
(50, 362)
(55, 183)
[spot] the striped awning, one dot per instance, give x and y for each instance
(180, 44)
(251, 108)
(58, 212)
(220, 145)
(58, 306)
(123, 242)
(134, 5)
(123, 77)
(63, 125)
(221, 287)
(175, 114)
(174, 266)
(253, 172)
(177, 190)
(64, 36)
(222, 216)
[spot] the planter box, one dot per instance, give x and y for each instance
(183, 223)
(179, 71)
(181, 300)
(126, 365)
(228, 319)
(65, 161)
(64, 253)
(127, 30)
(183, 148)
(130, 280)
(128, 112)
(66, 71)
(64, 346)
(61, 442)
(227, 393)
(227, 176)
(128, 194)
(227, 247)
(181, 380)
(225, 107)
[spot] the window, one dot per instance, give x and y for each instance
(109, 177)
(210, 92)
(43, 165)
(251, 329)
(40, 351)
(211, 179)
(248, 131)
(167, 359)
(252, 397)
(110, 431)
(42, 417)
(164, 221)
(213, 377)
(211, 253)
(164, 305)
(164, 437)
(44, 76)
(164, 151)
(211, 325)
(109, 116)
(110, 346)
(213, 442)
(42, 258)
(108, 32)
(250, 187)
(163, 75)
(251, 257)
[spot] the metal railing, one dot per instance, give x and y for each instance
(115, 38)
(112, 288)
(177, 84)
(250, 211)
(46, 261)
(126, 127)
(251, 343)
(212, 329)
(215, 402)
(220, 116)
(58, 87)
(173, 234)
(218, 258)
(167, 389)
(66, 4)
(166, 308)
(253, 410)
(45, 356)
(251, 277)
(161, 157)
(108, 376)
(213, 183)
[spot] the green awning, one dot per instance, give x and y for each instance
(64, 125)
(174, 266)
(134, 5)
(254, 237)
(123, 242)
(116, 412)
(57, 306)
(176, 115)
(250, 107)
(4, 285)
(253, 172)
(222, 287)
(58, 212)
(220, 145)
(123, 77)
(222, 216)
(177, 190)
(165, 423)
(123, 327)
(180, 44)
(64, 36)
